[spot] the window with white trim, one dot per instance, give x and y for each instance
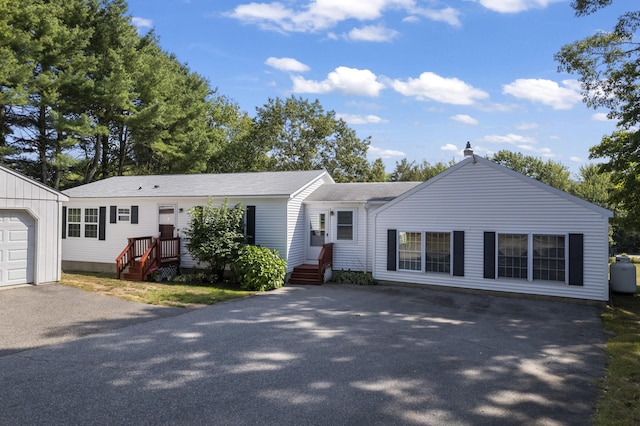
(549, 261)
(410, 251)
(513, 255)
(534, 257)
(438, 252)
(344, 226)
(74, 218)
(91, 223)
(124, 214)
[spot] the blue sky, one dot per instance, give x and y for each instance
(421, 77)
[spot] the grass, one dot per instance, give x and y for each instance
(165, 294)
(619, 402)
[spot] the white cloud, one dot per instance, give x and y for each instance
(510, 138)
(319, 15)
(515, 6)
(361, 119)
(465, 119)
(448, 15)
(375, 33)
(384, 153)
(450, 147)
(286, 64)
(527, 126)
(600, 116)
(576, 159)
(545, 91)
(349, 81)
(141, 22)
(440, 89)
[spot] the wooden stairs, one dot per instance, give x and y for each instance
(308, 274)
(143, 255)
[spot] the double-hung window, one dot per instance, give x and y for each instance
(91, 223)
(410, 251)
(513, 255)
(438, 252)
(549, 257)
(74, 218)
(124, 214)
(345, 225)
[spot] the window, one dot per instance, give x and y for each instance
(345, 225)
(533, 257)
(410, 251)
(124, 214)
(73, 222)
(91, 223)
(548, 257)
(512, 255)
(438, 252)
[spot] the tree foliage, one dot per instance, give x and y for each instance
(549, 172)
(410, 171)
(607, 66)
(300, 135)
(215, 235)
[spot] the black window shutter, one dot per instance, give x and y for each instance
(490, 255)
(391, 249)
(458, 253)
(102, 223)
(251, 225)
(576, 259)
(64, 222)
(134, 214)
(113, 214)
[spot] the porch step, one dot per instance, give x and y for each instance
(306, 275)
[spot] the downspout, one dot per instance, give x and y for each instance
(366, 236)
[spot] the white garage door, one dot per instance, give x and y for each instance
(16, 247)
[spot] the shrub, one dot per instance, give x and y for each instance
(215, 235)
(259, 268)
(353, 277)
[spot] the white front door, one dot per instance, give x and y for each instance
(17, 247)
(318, 227)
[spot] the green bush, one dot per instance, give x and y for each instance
(259, 269)
(353, 277)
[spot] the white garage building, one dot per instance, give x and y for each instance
(30, 229)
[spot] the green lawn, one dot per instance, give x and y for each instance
(619, 402)
(166, 294)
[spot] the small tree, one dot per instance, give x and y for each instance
(216, 235)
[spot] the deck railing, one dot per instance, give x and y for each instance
(325, 260)
(136, 247)
(148, 252)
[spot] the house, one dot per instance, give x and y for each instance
(482, 226)
(478, 225)
(30, 212)
(102, 217)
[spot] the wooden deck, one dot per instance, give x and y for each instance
(145, 254)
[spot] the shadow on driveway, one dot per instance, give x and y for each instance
(330, 355)
(35, 316)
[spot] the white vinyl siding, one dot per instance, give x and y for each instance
(477, 197)
(23, 196)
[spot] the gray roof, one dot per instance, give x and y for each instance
(361, 192)
(257, 184)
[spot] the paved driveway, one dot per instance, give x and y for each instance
(330, 355)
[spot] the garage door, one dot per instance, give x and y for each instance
(16, 247)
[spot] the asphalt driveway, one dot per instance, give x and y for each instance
(329, 355)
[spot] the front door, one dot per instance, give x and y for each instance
(318, 227)
(166, 220)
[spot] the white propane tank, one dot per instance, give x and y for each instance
(622, 275)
